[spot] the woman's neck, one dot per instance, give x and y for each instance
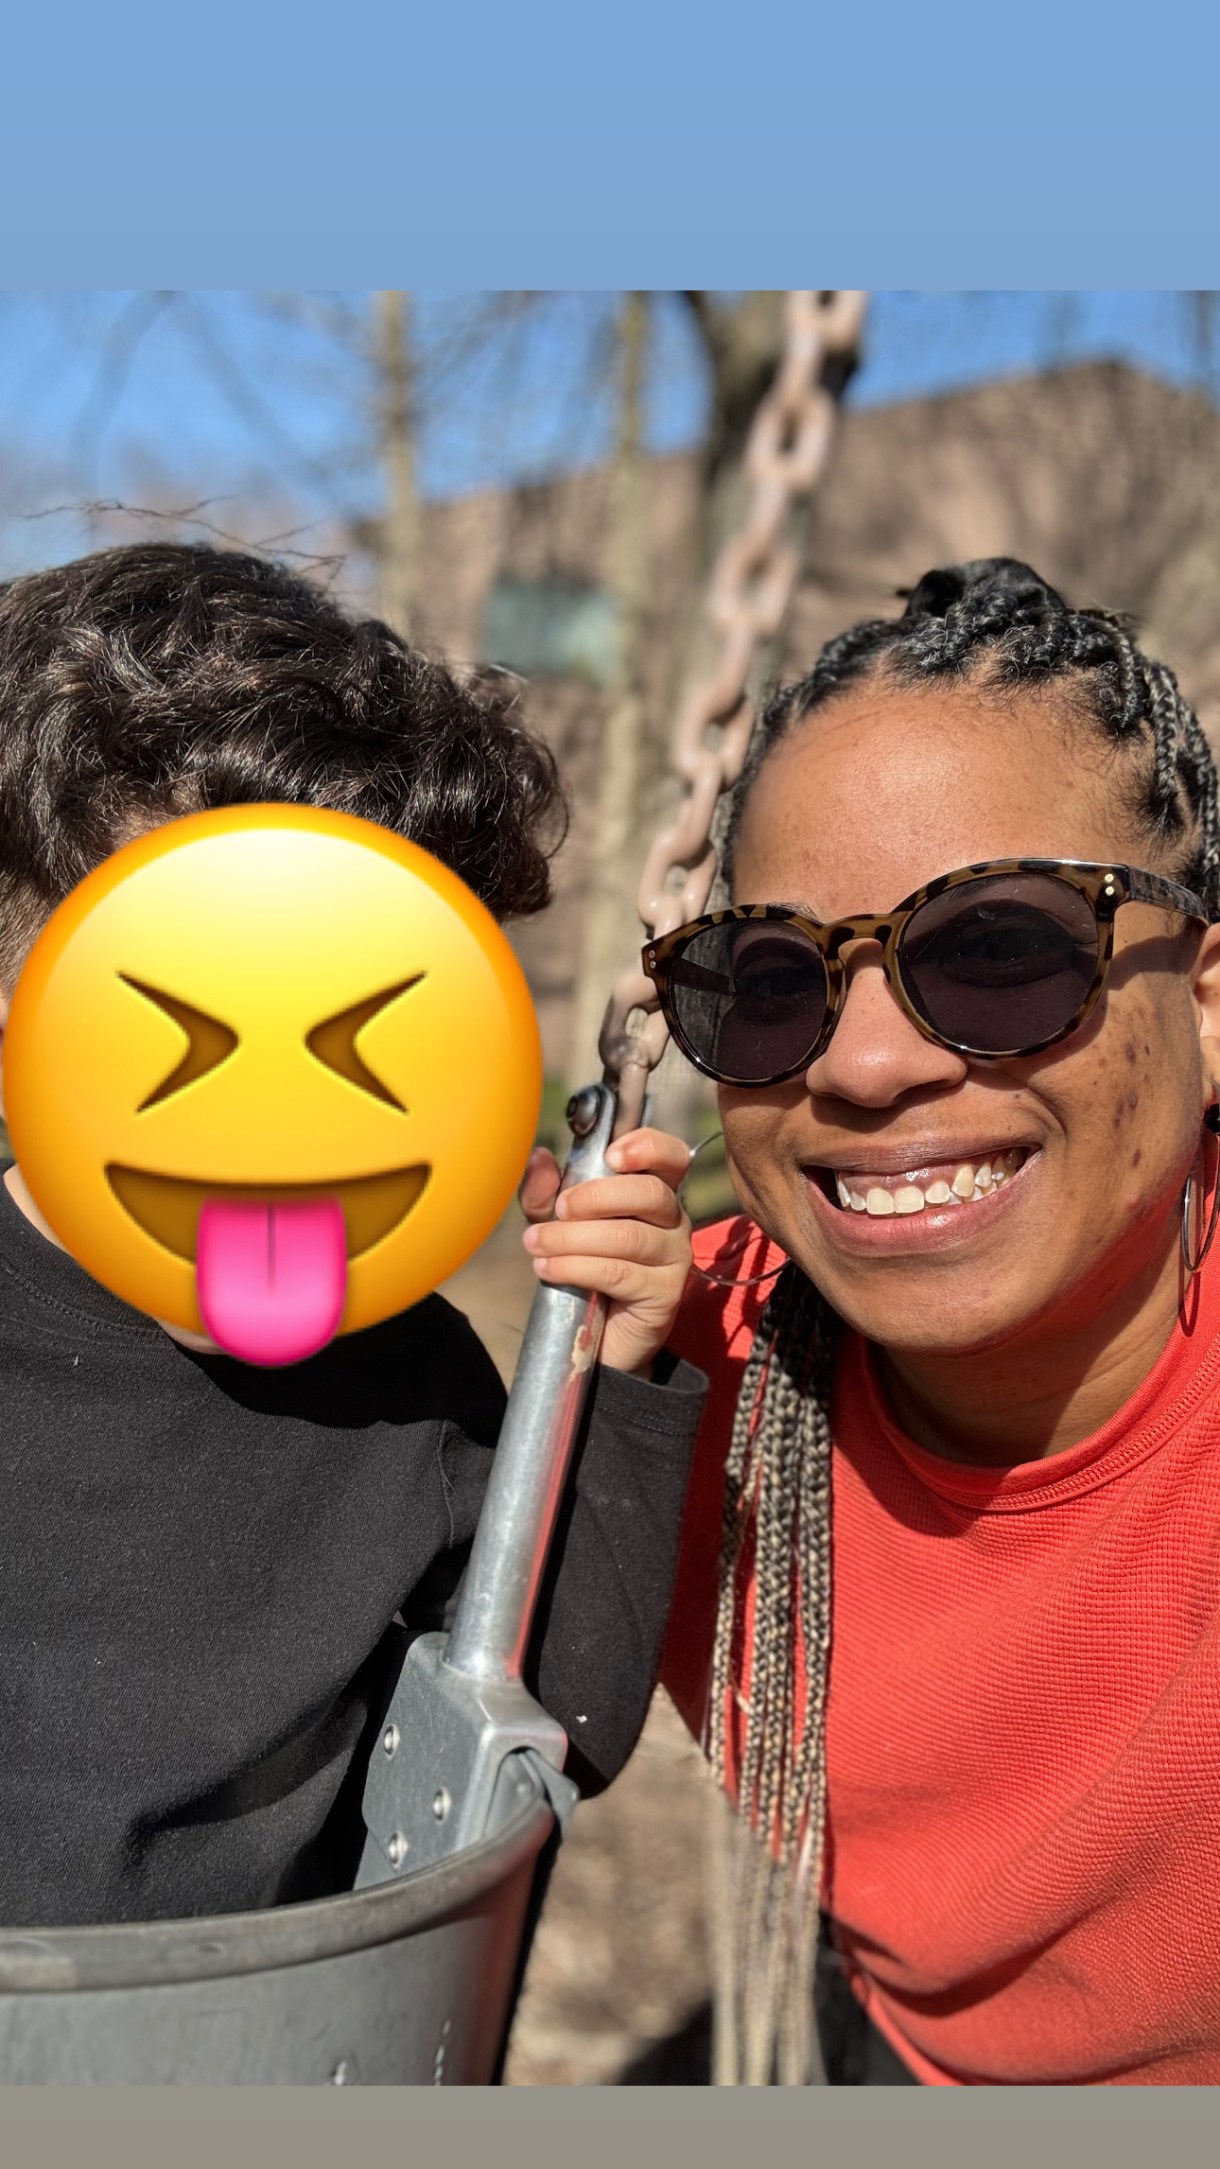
(1038, 1396)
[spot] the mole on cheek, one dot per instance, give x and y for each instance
(1133, 1100)
(1136, 1157)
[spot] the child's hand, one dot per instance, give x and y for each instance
(625, 1236)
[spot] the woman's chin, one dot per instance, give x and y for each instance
(935, 1332)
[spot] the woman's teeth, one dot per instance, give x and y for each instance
(884, 1196)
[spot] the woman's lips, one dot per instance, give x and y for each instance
(934, 1226)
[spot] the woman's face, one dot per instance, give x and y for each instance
(874, 795)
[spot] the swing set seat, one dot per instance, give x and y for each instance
(409, 1982)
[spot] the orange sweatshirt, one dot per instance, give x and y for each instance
(1023, 1727)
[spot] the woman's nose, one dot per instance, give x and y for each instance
(875, 1054)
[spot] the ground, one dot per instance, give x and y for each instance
(617, 1983)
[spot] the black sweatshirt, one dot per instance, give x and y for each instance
(200, 1567)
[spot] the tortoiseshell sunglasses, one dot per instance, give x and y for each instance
(993, 961)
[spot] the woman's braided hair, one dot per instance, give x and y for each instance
(996, 622)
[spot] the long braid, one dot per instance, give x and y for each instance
(776, 1514)
(777, 1521)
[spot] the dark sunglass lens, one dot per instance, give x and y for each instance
(748, 998)
(1001, 963)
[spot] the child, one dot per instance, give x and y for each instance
(203, 1562)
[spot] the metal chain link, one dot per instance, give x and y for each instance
(751, 585)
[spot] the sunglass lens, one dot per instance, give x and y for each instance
(748, 999)
(1002, 963)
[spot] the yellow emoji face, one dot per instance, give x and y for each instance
(271, 1074)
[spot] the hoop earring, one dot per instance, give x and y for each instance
(1211, 1123)
(718, 1280)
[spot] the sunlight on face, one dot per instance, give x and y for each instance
(873, 796)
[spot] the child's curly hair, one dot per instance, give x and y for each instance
(164, 678)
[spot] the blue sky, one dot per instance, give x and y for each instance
(547, 144)
(479, 72)
(184, 395)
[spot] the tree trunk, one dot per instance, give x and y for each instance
(400, 527)
(610, 899)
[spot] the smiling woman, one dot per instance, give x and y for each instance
(965, 1016)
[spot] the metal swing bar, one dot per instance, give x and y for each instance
(409, 1979)
(476, 1676)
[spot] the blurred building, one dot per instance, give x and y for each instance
(1104, 479)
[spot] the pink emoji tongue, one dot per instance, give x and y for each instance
(271, 1279)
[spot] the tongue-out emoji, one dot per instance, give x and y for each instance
(271, 1074)
(271, 1279)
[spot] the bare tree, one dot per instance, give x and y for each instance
(609, 894)
(400, 527)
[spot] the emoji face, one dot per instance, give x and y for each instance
(271, 1074)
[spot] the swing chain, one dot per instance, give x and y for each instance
(752, 582)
